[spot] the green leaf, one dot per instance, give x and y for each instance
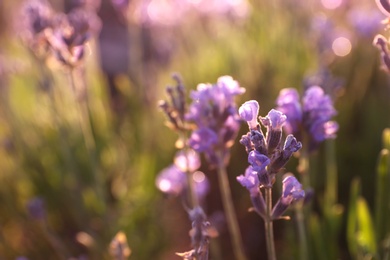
(352, 218)
(382, 195)
(365, 228)
(386, 138)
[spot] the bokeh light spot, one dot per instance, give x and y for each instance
(198, 176)
(341, 46)
(331, 4)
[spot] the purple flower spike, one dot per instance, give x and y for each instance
(171, 180)
(292, 191)
(214, 113)
(324, 130)
(288, 103)
(248, 112)
(202, 139)
(313, 117)
(229, 86)
(317, 103)
(36, 208)
(187, 161)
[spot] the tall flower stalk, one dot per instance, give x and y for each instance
(267, 155)
(213, 114)
(310, 121)
(182, 178)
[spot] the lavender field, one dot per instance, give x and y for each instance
(194, 129)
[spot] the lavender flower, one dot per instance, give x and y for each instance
(259, 162)
(200, 234)
(119, 248)
(214, 113)
(288, 103)
(175, 108)
(202, 139)
(281, 157)
(250, 181)
(274, 122)
(187, 160)
(171, 180)
(292, 191)
(36, 208)
(70, 33)
(266, 156)
(248, 112)
(382, 44)
(36, 17)
(312, 118)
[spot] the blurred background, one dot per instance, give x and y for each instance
(82, 138)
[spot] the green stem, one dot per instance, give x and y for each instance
(229, 211)
(85, 125)
(331, 175)
(269, 231)
(83, 113)
(193, 198)
(303, 248)
(303, 169)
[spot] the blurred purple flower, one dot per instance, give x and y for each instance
(171, 180)
(366, 22)
(187, 160)
(35, 17)
(202, 184)
(313, 117)
(203, 139)
(288, 103)
(36, 208)
(214, 113)
(70, 33)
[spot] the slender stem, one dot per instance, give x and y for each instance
(83, 113)
(191, 193)
(303, 248)
(331, 175)
(303, 168)
(304, 164)
(229, 211)
(269, 230)
(85, 124)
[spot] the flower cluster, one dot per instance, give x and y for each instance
(64, 35)
(200, 234)
(267, 155)
(380, 41)
(214, 115)
(311, 118)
